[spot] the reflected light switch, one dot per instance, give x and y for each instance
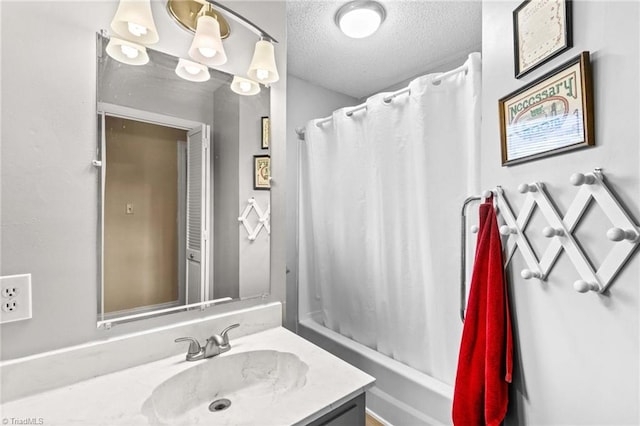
(129, 208)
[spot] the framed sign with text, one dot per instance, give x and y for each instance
(266, 132)
(553, 114)
(541, 31)
(261, 172)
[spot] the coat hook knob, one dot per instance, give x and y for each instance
(507, 230)
(527, 274)
(581, 286)
(488, 193)
(619, 234)
(475, 229)
(550, 232)
(578, 179)
(526, 187)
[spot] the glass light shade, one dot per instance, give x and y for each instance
(263, 65)
(127, 52)
(192, 71)
(206, 47)
(244, 86)
(133, 20)
(360, 19)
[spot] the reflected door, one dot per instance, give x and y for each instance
(197, 245)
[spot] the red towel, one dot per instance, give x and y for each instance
(485, 360)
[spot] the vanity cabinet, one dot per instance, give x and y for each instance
(351, 413)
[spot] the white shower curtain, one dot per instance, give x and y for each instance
(380, 195)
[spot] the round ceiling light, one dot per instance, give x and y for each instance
(361, 18)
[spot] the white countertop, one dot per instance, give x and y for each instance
(117, 398)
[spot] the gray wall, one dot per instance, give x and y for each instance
(49, 188)
(241, 266)
(253, 255)
(225, 188)
(305, 102)
(577, 354)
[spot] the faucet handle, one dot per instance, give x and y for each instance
(194, 346)
(225, 337)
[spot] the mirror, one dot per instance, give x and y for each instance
(176, 162)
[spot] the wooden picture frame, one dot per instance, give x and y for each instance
(261, 172)
(266, 132)
(553, 114)
(541, 31)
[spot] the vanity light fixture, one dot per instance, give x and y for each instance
(134, 25)
(206, 47)
(192, 71)
(127, 52)
(244, 86)
(263, 65)
(360, 18)
(133, 21)
(211, 28)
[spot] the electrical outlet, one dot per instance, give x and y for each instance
(9, 292)
(9, 305)
(15, 300)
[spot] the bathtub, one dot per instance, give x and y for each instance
(401, 395)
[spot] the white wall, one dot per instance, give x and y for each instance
(305, 101)
(577, 354)
(49, 188)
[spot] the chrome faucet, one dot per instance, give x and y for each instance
(216, 344)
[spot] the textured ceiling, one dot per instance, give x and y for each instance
(416, 37)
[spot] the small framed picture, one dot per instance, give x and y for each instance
(553, 114)
(541, 31)
(266, 132)
(261, 172)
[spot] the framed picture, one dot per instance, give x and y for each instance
(266, 132)
(541, 31)
(261, 172)
(551, 115)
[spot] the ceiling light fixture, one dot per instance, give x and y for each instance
(192, 71)
(360, 18)
(133, 21)
(127, 52)
(244, 86)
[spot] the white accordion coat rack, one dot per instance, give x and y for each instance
(592, 186)
(263, 219)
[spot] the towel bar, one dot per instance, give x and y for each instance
(463, 253)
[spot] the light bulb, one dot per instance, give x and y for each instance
(207, 52)
(244, 86)
(129, 52)
(136, 29)
(262, 74)
(193, 70)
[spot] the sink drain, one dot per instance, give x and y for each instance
(219, 405)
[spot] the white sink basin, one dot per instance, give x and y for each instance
(249, 380)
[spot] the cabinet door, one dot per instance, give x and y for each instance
(351, 413)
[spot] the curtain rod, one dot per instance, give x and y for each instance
(387, 99)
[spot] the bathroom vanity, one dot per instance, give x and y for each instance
(271, 377)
